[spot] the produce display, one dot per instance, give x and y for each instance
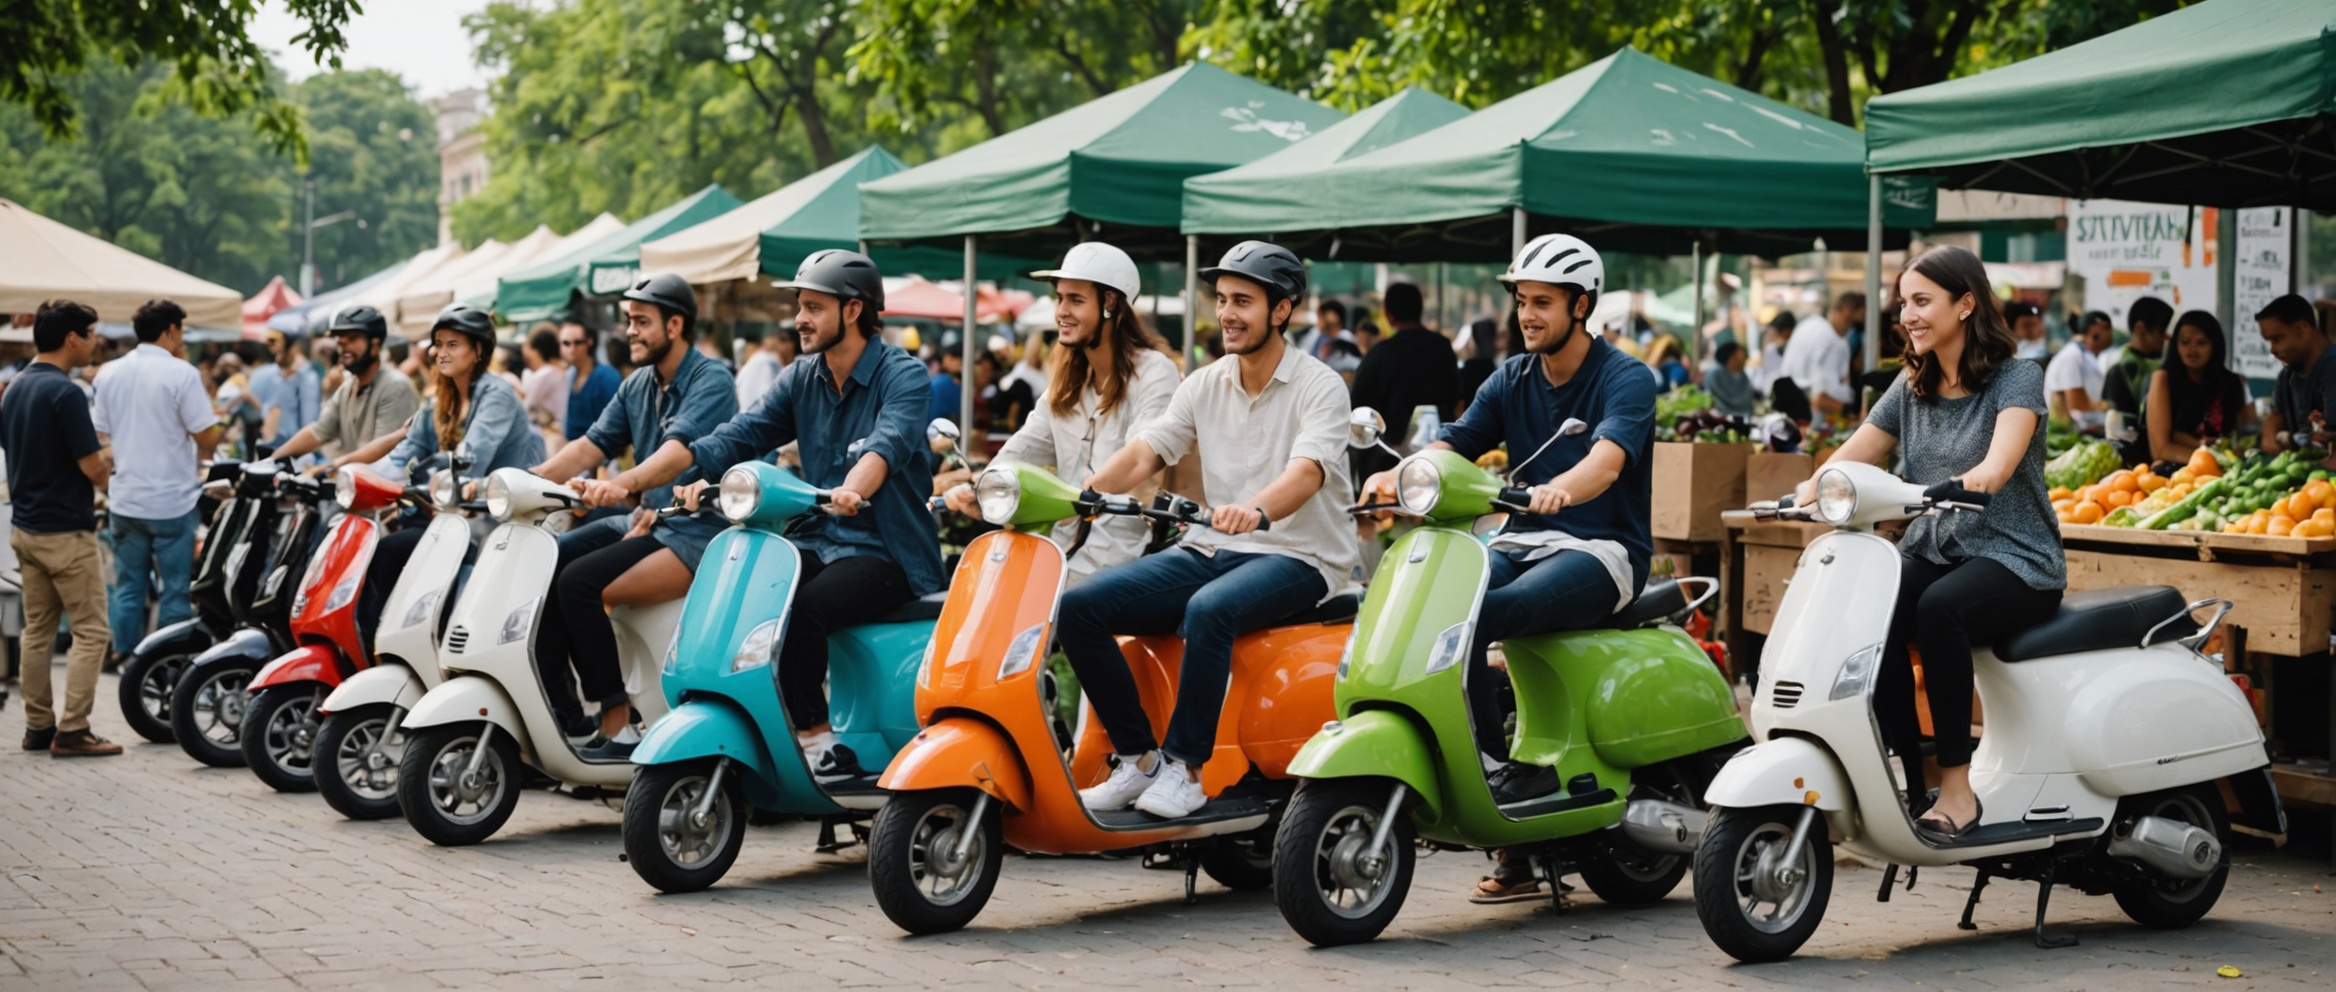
(2084, 463)
(2277, 496)
(1686, 414)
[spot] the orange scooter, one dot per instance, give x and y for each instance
(989, 770)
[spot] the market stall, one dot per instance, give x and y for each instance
(602, 267)
(41, 259)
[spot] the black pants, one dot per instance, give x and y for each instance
(390, 555)
(830, 596)
(575, 628)
(1947, 610)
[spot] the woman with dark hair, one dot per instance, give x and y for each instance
(2194, 397)
(1963, 410)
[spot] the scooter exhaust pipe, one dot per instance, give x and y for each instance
(2170, 846)
(1663, 827)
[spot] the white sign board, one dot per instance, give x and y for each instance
(2261, 273)
(2126, 251)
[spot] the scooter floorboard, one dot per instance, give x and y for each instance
(1215, 812)
(2006, 833)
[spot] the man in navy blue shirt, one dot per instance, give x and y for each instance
(55, 467)
(857, 416)
(1578, 419)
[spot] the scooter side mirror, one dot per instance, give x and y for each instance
(1364, 428)
(942, 430)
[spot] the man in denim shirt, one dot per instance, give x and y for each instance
(675, 395)
(857, 417)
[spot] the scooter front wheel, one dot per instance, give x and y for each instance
(929, 875)
(147, 681)
(1761, 896)
(206, 712)
(1333, 887)
(450, 799)
(279, 736)
(356, 769)
(675, 838)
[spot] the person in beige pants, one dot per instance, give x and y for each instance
(55, 466)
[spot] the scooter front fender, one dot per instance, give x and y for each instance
(189, 636)
(1781, 771)
(1375, 744)
(467, 699)
(961, 752)
(307, 663)
(396, 685)
(702, 728)
(248, 645)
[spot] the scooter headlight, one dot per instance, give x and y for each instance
(1417, 485)
(1450, 646)
(343, 593)
(1836, 497)
(1346, 656)
(498, 498)
(761, 644)
(442, 488)
(423, 609)
(519, 622)
(740, 495)
(345, 487)
(1022, 651)
(999, 494)
(1857, 674)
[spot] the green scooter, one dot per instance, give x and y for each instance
(1634, 716)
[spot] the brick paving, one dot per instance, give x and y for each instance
(146, 871)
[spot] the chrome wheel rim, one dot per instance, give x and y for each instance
(462, 799)
(219, 706)
(290, 736)
(687, 841)
(1766, 875)
(942, 878)
(1351, 880)
(156, 685)
(366, 763)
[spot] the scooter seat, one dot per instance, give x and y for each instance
(923, 609)
(1336, 609)
(1654, 604)
(2100, 620)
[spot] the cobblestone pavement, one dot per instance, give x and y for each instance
(147, 871)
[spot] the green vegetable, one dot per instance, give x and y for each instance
(2185, 508)
(2081, 465)
(2123, 516)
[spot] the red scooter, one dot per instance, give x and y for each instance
(281, 719)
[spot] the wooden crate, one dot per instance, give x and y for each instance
(2284, 606)
(1766, 569)
(1693, 484)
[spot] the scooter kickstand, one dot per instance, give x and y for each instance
(1972, 904)
(2043, 898)
(1191, 878)
(1889, 881)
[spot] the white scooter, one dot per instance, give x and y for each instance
(473, 740)
(362, 736)
(2109, 744)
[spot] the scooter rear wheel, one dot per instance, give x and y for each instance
(1330, 888)
(1243, 863)
(356, 771)
(1742, 867)
(444, 803)
(921, 882)
(279, 736)
(665, 843)
(206, 713)
(147, 681)
(2166, 903)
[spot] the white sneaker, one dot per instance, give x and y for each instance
(1127, 781)
(1175, 794)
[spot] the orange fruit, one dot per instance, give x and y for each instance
(2324, 513)
(2317, 491)
(2087, 512)
(2280, 525)
(2151, 483)
(2300, 507)
(2122, 480)
(2313, 528)
(2183, 474)
(2059, 493)
(2117, 498)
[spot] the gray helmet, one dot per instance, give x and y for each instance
(359, 317)
(845, 275)
(478, 324)
(1270, 265)
(666, 290)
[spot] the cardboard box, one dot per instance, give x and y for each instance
(1766, 570)
(1693, 484)
(1768, 475)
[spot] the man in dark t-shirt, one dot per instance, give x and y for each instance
(2306, 390)
(55, 467)
(1412, 368)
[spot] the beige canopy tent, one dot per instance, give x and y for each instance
(477, 286)
(384, 296)
(428, 292)
(41, 259)
(478, 270)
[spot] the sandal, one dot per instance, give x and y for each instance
(1491, 891)
(1943, 832)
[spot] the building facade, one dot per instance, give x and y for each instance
(462, 154)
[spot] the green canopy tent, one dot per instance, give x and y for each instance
(771, 234)
(602, 267)
(2229, 103)
(1112, 168)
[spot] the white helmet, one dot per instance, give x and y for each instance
(1559, 260)
(1101, 264)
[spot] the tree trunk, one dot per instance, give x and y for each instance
(1836, 56)
(1748, 74)
(815, 125)
(985, 85)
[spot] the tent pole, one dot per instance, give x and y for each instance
(1191, 301)
(1516, 232)
(966, 397)
(1873, 272)
(1695, 257)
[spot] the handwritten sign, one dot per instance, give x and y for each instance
(2262, 272)
(2127, 250)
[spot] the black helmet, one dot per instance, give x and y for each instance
(469, 320)
(359, 317)
(1270, 265)
(845, 275)
(669, 291)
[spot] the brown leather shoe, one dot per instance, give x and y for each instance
(83, 744)
(39, 740)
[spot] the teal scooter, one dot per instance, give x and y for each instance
(725, 748)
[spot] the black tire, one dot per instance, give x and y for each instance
(279, 736)
(1629, 875)
(1326, 890)
(915, 896)
(206, 712)
(662, 843)
(352, 776)
(2163, 903)
(1243, 863)
(145, 692)
(1726, 899)
(440, 806)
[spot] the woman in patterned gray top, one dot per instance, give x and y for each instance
(1963, 409)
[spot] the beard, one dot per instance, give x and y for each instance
(359, 364)
(652, 356)
(816, 341)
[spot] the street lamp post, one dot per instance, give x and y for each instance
(308, 238)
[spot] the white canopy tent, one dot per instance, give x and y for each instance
(41, 260)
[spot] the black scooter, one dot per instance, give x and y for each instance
(207, 703)
(227, 573)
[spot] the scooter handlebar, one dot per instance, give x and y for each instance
(1185, 511)
(1951, 495)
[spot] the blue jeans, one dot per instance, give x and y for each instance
(146, 551)
(1206, 600)
(1570, 590)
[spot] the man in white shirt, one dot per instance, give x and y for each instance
(771, 355)
(2074, 380)
(152, 410)
(1817, 357)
